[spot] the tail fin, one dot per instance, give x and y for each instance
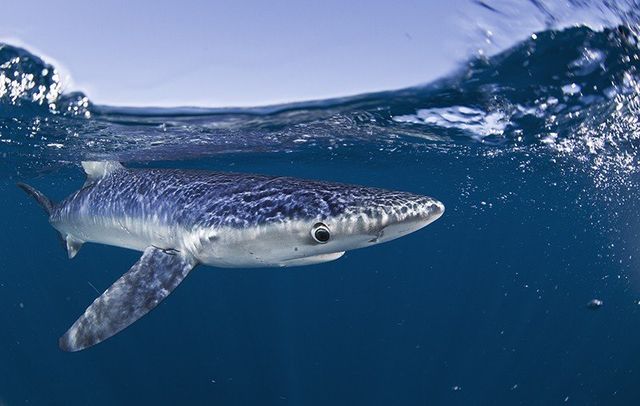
(70, 243)
(43, 200)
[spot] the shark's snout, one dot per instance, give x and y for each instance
(431, 210)
(406, 217)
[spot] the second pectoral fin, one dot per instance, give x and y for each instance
(137, 292)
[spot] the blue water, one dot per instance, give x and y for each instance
(534, 152)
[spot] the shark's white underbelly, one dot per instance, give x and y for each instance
(125, 232)
(233, 248)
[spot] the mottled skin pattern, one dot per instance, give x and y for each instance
(209, 199)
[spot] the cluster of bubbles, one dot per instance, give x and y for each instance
(30, 84)
(571, 94)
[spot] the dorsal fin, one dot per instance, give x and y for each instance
(99, 169)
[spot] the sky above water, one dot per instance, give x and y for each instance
(250, 52)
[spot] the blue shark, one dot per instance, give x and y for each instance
(180, 219)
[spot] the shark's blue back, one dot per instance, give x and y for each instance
(212, 199)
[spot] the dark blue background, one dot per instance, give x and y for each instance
(490, 300)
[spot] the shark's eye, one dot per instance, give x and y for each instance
(320, 233)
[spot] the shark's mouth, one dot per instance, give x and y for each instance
(315, 259)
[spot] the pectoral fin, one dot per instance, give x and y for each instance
(142, 288)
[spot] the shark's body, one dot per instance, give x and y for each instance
(183, 218)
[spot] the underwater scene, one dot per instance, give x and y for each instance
(524, 291)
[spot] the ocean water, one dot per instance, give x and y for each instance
(534, 152)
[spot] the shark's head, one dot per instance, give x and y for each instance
(290, 222)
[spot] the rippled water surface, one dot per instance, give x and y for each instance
(534, 152)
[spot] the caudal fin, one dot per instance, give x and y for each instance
(71, 244)
(43, 200)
